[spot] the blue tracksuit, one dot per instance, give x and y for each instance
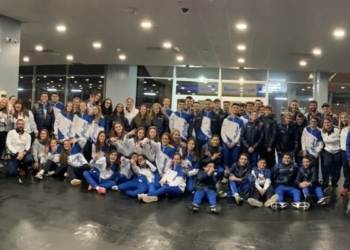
(192, 167)
(231, 133)
(82, 125)
(57, 107)
(312, 143)
(242, 187)
(205, 187)
(96, 128)
(284, 176)
(309, 175)
(99, 175)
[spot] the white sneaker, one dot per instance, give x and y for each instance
(139, 196)
(279, 205)
(272, 200)
(254, 202)
(115, 188)
(301, 205)
(51, 173)
(237, 198)
(75, 182)
(39, 175)
(65, 175)
(149, 199)
(324, 201)
(1, 165)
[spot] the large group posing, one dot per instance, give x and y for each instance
(149, 153)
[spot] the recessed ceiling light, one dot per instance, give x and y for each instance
(87, 80)
(241, 47)
(339, 33)
(303, 63)
(61, 28)
(146, 25)
(241, 26)
(97, 45)
(179, 58)
(144, 88)
(21, 77)
(122, 57)
(153, 85)
(308, 87)
(60, 79)
(167, 45)
(317, 51)
(241, 60)
(26, 59)
(342, 87)
(39, 48)
(302, 89)
(102, 76)
(99, 81)
(45, 76)
(75, 81)
(70, 57)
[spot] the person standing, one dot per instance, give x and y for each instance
(130, 110)
(314, 113)
(56, 104)
(43, 113)
(166, 106)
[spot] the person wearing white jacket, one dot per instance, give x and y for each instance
(332, 154)
(51, 160)
(173, 182)
(344, 131)
(18, 146)
(39, 148)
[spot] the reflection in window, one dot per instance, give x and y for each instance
(197, 88)
(155, 71)
(25, 89)
(243, 90)
(50, 84)
(152, 90)
(199, 73)
(83, 86)
(244, 74)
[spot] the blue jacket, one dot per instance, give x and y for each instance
(42, 121)
(161, 122)
(204, 132)
(309, 174)
(288, 138)
(283, 174)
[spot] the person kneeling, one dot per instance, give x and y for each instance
(205, 186)
(307, 181)
(284, 175)
(262, 186)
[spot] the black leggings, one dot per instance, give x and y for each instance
(77, 172)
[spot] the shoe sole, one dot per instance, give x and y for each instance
(272, 200)
(148, 199)
(217, 210)
(254, 202)
(277, 206)
(75, 183)
(192, 208)
(302, 206)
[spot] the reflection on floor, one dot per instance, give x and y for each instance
(53, 215)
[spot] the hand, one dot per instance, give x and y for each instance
(211, 170)
(216, 155)
(36, 165)
(207, 153)
(36, 134)
(227, 170)
(269, 149)
(19, 157)
(183, 144)
(46, 150)
(113, 139)
(250, 149)
(304, 153)
(162, 183)
(132, 161)
(122, 159)
(185, 171)
(230, 145)
(132, 132)
(232, 178)
(146, 141)
(95, 158)
(262, 192)
(73, 140)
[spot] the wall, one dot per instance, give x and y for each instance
(9, 55)
(121, 83)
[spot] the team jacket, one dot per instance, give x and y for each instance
(181, 122)
(174, 177)
(161, 122)
(240, 171)
(38, 149)
(252, 135)
(205, 181)
(57, 107)
(206, 159)
(231, 130)
(82, 125)
(75, 156)
(270, 131)
(284, 174)
(100, 168)
(262, 178)
(331, 140)
(311, 141)
(309, 174)
(287, 138)
(44, 116)
(206, 124)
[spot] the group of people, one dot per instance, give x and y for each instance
(149, 153)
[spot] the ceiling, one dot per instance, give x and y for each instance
(280, 32)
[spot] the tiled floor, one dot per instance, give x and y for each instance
(53, 215)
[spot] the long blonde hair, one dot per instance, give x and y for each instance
(340, 124)
(99, 115)
(152, 114)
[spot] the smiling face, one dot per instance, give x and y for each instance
(152, 133)
(43, 135)
(143, 110)
(118, 128)
(344, 119)
(83, 107)
(101, 138)
(215, 141)
(327, 124)
(253, 116)
(176, 160)
(140, 160)
(165, 140)
(113, 157)
(129, 103)
(18, 107)
(156, 109)
(286, 159)
(69, 107)
(53, 144)
(3, 103)
(243, 160)
(166, 102)
(66, 145)
(176, 136)
(120, 108)
(140, 134)
(191, 145)
(306, 162)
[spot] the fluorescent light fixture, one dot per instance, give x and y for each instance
(70, 57)
(39, 48)
(179, 58)
(51, 89)
(45, 76)
(167, 45)
(241, 47)
(61, 28)
(311, 99)
(20, 89)
(122, 57)
(146, 25)
(317, 51)
(241, 79)
(202, 79)
(76, 90)
(149, 94)
(153, 85)
(342, 87)
(241, 26)
(102, 76)
(281, 98)
(26, 59)
(303, 63)
(241, 60)
(339, 33)
(97, 45)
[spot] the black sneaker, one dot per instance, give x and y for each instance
(308, 198)
(193, 208)
(324, 201)
(214, 209)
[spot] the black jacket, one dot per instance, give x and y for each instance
(241, 171)
(270, 131)
(307, 174)
(294, 113)
(42, 121)
(206, 159)
(300, 129)
(288, 138)
(252, 135)
(283, 174)
(215, 124)
(205, 181)
(161, 122)
(143, 124)
(116, 118)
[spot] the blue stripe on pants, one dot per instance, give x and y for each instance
(199, 195)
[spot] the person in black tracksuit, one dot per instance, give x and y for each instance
(270, 137)
(252, 136)
(288, 137)
(159, 119)
(300, 123)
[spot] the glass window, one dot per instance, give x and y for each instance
(50, 84)
(155, 71)
(290, 76)
(153, 90)
(197, 88)
(51, 70)
(197, 73)
(244, 74)
(25, 90)
(243, 89)
(83, 86)
(88, 70)
(26, 70)
(339, 97)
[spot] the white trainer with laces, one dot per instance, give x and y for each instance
(279, 205)
(115, 188)
(301, 205)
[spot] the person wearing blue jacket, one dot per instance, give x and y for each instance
(230, 136)
(288, 136)
(261, 176)
(307, 181)
(63, 126)
(239, 181)
(283, 178)
(44, 115)
(252, 136)
(206, 124)
(180, 120)
(212, 152)
(190, 163)
(205, 187)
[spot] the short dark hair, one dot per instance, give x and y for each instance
(166, 97)
(235, 104)
(313, 117)
(54, 93)
(258, 100)
(242, 104)
(307, 157)
(195, 102)
(11, 97)
(326, 104)
(294, 101)
(181, 101)
(208, 100)
(216, 100)
(189, 97)
(227, 102)
(44, 93)
(250, 103)
(300, 115)
(268, 107)
(313, 101)
(262, 159)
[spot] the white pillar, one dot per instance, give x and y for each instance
(321, 87)
(9, 55)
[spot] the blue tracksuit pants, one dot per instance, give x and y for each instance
(230, 155)
(200, 194)
(313, 190)
(133, 188)
(282, 190)
(95, 181)
(169, 190)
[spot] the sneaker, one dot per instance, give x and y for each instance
(139, 196)
(115, 188)
(51, 173)
(39, 175)
(301, 205)
(90, 188)
(222, 194)
(75, 182)
(65, 175)
(279, 205)
(224, 180)
(1, 165)
(193, 208)
(308, 198)
(214, 209)
(255, 203)
(237, 198)
(101, 190)
(324, 201)
(345, 191)
(272, 200)
(149, 199)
